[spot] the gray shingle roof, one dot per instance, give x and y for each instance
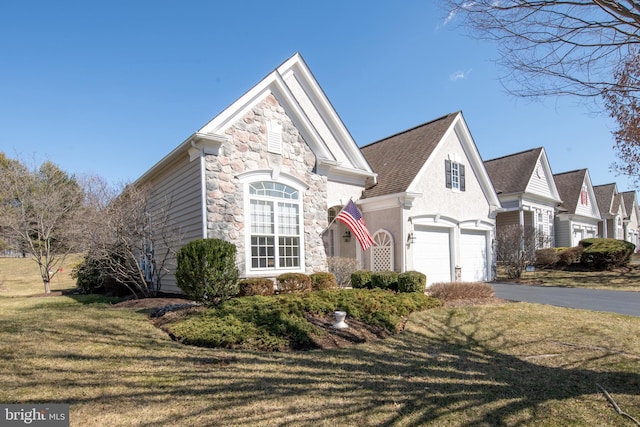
(630, 201)
(604, 197)
(569, 185)
(511, 174)
(398, 158)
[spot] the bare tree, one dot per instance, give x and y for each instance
(134, 238)
(516, 248)
(624, 107)
(556, 47)
(39, 209)
(585, 48)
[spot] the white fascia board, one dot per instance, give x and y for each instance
(471, 150)
(205, 140)
(336, 126)
(272, 84)
(334, 172)
(549, 175)
(595, 210)
(404, 200)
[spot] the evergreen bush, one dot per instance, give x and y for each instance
(568, 256)
(256, 286)
(412, 281)
(206, 270)
(289, 283)
(385, 280)
(88, 275)
(361, 279)
(606, 254)
(323, 280)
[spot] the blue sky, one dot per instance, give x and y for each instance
(109, 88)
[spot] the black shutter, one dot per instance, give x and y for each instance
(462, 183)
(447, 173)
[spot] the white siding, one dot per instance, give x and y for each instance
(539, 183)
(585, 210)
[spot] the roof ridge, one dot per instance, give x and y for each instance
(514, 154)
(411, 129)
(573, 171)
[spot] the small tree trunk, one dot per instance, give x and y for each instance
(47, 287)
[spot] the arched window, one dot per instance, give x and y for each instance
(274, 226)
(382, 251)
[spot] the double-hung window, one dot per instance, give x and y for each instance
(275, 231)
(454, 175)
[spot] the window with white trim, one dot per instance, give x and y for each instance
(275, 232)
(454, 175)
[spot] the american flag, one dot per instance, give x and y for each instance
(352, 218)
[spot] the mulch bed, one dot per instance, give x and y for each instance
(357, 333)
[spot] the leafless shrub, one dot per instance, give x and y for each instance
(342, 268)
(516, 248)
(448, 291)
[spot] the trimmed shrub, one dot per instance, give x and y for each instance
(605, 254)
(87, 273)
(568, 256)
(545, 258)
(206, 270)
(323, 280)
(461, 290)
(342, 268)
(361, 279)
(412, 281)
(385, 280)
(289, 283)
(256, 286)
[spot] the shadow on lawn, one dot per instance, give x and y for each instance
(436, 372)
(577, 276)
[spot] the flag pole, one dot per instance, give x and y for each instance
(336, 217)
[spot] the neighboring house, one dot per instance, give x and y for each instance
(527, 191)
(578, 216)
(433, 208)
(263, 175)
(631, 222)
(612, 211)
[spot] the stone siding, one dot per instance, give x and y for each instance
(248, 151)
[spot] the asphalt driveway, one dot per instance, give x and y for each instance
(589, 299)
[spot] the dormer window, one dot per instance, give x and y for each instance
(454, 175)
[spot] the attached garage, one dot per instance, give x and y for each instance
(432, 253)
(473, 256)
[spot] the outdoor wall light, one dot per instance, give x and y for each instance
(411, 238)
(347, 236)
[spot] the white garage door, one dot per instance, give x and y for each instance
(473, 256)
(431, 253)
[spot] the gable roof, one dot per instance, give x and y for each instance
(511, 173)
(397, 159)
(609, 200)
(298, 92)
(569, 185)
(630, 202)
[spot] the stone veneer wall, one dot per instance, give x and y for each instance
(248, 151)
